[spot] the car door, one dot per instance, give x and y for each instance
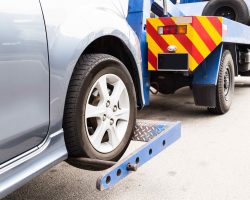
(24, 77)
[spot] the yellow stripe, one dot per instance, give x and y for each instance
(220, 18)
(198, 42)
(150, 67)
(180, 49)
(154, 48)
(192, 35)
(155, 22)
(216, 37)
(170, 40)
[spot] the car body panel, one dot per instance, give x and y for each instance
(71, 27)
(24, 78)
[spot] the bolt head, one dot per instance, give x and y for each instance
(115, 109)
(111, 121)
(108, 104)
(172, 48)
(104, 117)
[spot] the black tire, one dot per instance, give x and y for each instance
(87, 71)
(236, 10)
(225, 85)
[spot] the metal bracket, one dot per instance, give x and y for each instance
(165, 8)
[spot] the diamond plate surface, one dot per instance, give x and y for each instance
(146, 130)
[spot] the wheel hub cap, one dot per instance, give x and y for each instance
(226, 12)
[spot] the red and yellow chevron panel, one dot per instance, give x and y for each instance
(203, 35)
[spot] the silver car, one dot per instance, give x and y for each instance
(70, 84)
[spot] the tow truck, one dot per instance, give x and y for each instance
(203, 52)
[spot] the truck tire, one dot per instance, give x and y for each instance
(236, 10)
(225, 85)
(100, 109)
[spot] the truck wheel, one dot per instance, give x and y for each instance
(236, 10)
(100, 109)
(225, 85)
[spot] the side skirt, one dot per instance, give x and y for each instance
(16, 174)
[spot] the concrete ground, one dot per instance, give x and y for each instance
(211, 161)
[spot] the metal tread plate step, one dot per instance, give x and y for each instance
(158, 135)
(146, 130)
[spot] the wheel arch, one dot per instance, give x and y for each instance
(122, 52)
(71, 29)
(64, 55)
(233, 50)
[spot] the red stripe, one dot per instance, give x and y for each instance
(152, 59)
(203, 34)
(185, 41)
(216, 23)
(157, 38)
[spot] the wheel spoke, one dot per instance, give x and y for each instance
(98, 135)
(116, 94)
(109, 113)
(102, 87)
(113, 137)
(94, 111)
(122, 114)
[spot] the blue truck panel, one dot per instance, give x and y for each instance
(207, 72)
(234, 32)
(138, 11)
(190, 1)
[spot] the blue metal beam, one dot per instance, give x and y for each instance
(165, 135)
(190, 1)
(192, 9)
(234, 32)
(138, 12)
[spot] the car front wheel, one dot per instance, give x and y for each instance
(100, 111)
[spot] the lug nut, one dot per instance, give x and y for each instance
(108, 104)
(111, 121)
(104, 117)
(115, 109)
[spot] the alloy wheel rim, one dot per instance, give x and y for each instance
(107, 113)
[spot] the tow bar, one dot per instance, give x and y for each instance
(156, 134)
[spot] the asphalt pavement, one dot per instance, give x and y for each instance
(211, 161)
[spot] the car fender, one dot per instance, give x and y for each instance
(71, 26)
